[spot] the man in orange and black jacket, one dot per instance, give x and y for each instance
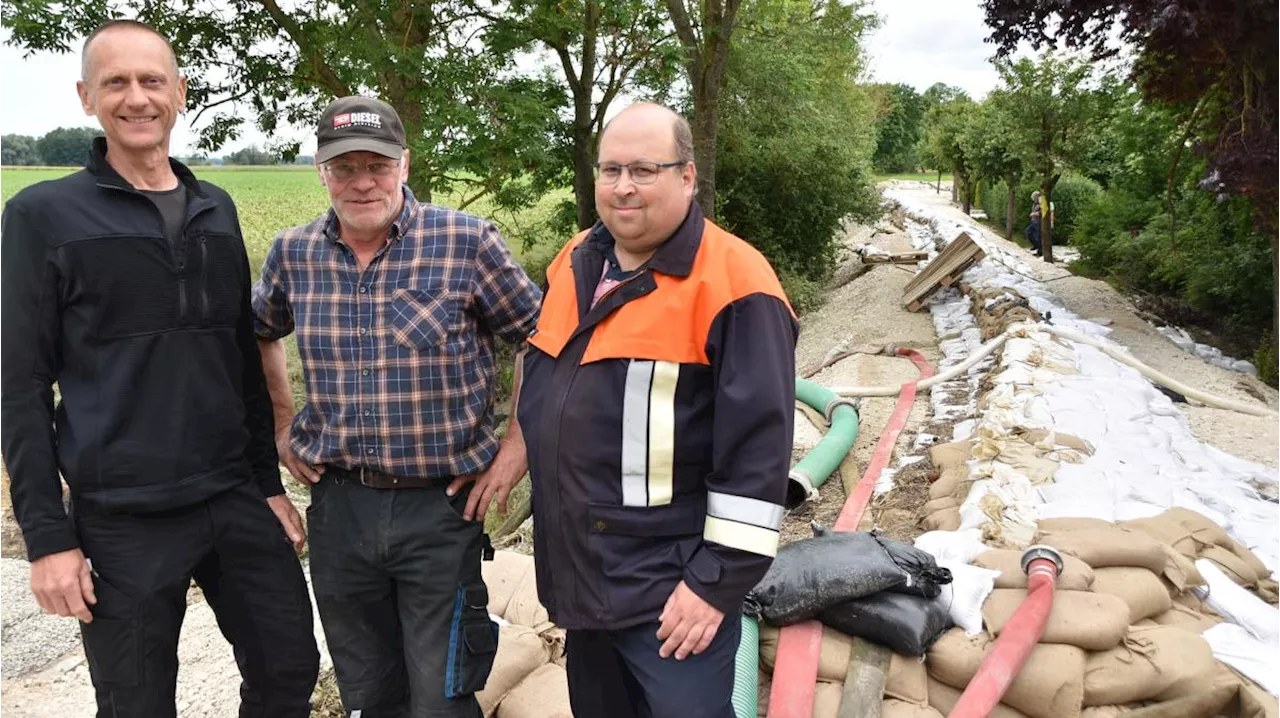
(657, 404)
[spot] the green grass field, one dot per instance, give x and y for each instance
(270, 199)
(915, 176)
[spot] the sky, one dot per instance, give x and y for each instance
(920, 42)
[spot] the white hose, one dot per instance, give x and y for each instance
(1124, 357)
(1120, 355)
(981, 353)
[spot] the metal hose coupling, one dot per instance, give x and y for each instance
(1040, 551)
(799, 489)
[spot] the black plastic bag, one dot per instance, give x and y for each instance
(925, 577)
(833, 567)
(905, 624)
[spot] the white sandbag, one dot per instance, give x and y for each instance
(1237, 604)
(1234, 646)
(956, 546)
(964, 596)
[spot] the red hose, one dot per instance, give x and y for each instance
(1016, 641)
(795, 670)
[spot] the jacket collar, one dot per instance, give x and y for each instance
(675, 256)
(99, 167)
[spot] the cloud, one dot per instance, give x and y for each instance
(921, 42)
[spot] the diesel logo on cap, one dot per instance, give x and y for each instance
(364, 119)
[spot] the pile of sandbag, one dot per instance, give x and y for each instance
(1192, 536)
(1124, 634)
(528, 679)
(1035, 454)
(996, 308)
(856, 582)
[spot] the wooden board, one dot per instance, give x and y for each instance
(904, 258)
(944, 271)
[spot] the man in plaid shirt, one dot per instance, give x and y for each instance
(396, 304)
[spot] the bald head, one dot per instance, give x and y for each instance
(120, 26)
(649, 114)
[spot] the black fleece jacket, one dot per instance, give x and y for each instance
(163, 401)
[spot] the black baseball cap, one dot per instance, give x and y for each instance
(359, 124)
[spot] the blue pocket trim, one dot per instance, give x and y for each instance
(455, 625)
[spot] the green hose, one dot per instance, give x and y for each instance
(746, 674)
(818, 465)
(812, 471)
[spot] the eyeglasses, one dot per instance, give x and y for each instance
(641, 172)
(344, 171)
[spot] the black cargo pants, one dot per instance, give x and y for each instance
(396, 574)
(235, 548)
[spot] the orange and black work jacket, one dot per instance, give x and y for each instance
(659, 427)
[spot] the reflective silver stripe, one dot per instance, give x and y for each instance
(745, 510)
(635, 433)
(662, 433)
(743, 537)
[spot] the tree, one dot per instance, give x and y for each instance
(472, 122)
(18, 151)
(899, 130)
(990, 146)
(945, 147)
(1051, 112)
(250, 155)
(604, 49)
(931, 100)
(705, 36)
(788, 179)
(1215, 64)
(67, 146)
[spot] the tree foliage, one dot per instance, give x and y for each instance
(705, 29)
(472, 122)
(1052, 109)
(945, 145)
(898, 130)
(603, 50)
(19, 151)
(1213, 64)
(67, 146)
(787, 179)
(251, 155)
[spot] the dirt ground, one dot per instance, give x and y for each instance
(11, 544)
(866, 313)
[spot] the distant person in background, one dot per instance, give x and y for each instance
(1033, 228)
(1033, 232)
(127, 285)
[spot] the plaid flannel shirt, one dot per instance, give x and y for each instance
(398, 358)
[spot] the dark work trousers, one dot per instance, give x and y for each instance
(1033, 235)
(235, 548)
(619, 674)
(404, 608)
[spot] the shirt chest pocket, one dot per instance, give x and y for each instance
(424, 319)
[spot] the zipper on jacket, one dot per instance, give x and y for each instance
(204, 279)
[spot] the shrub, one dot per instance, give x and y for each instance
(805, 295)
(1072, 196)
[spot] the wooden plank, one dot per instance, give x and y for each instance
(944, 271)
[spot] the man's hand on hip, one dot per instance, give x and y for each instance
(283, 508)
(689, 624)
(498, 480)
(63, 584)
(300, 470)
